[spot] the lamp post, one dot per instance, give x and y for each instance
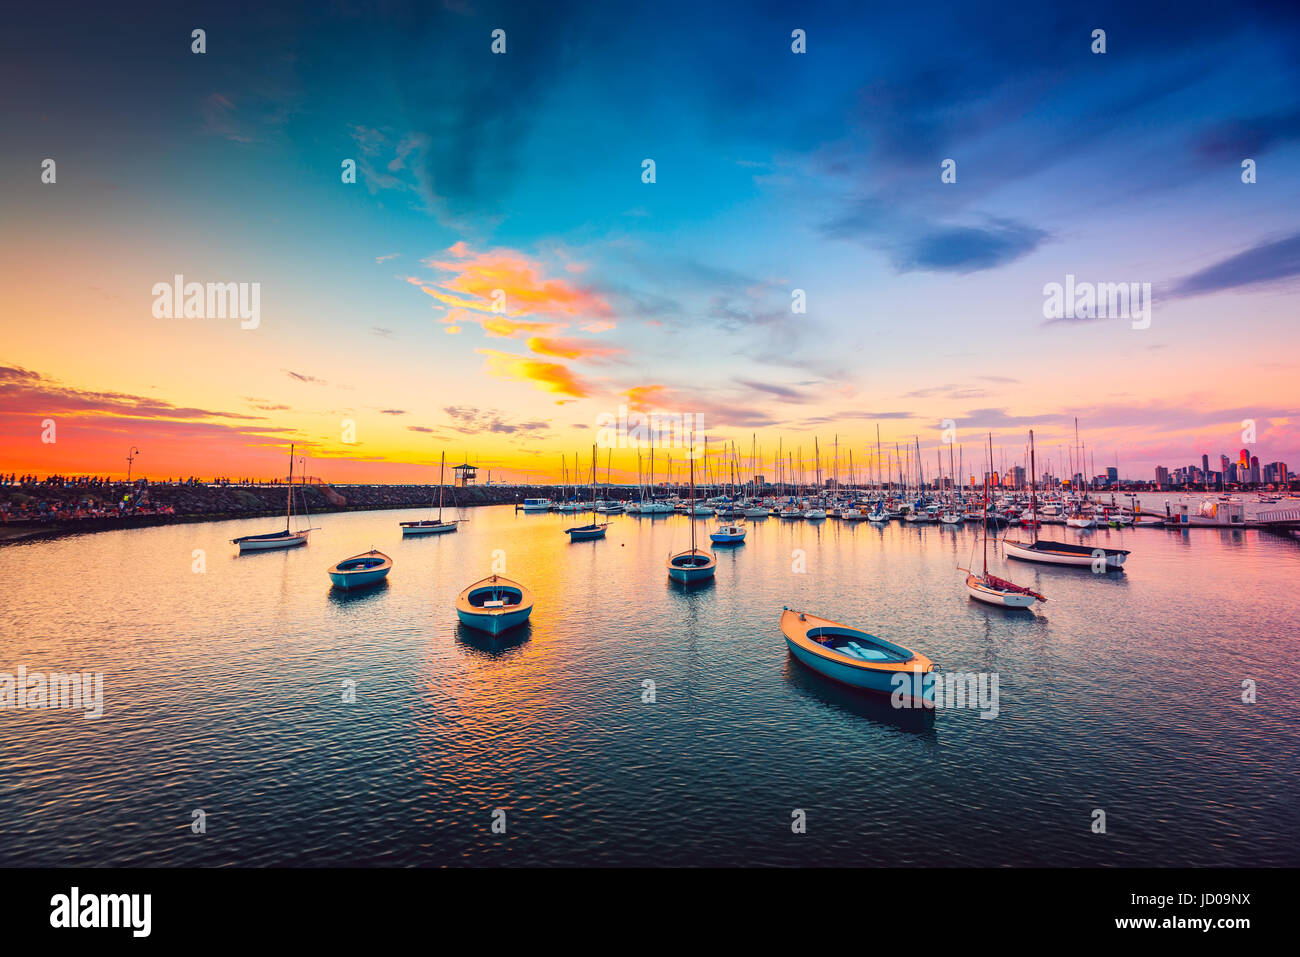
(130, 458)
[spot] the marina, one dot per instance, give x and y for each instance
(238, 672)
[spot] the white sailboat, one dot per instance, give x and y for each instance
(273, 540)
(991, 589)
(1058, 553)
(432, 526)
(593, 530)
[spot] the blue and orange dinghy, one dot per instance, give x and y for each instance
(856, 658)
(368, 568)
(494, 605)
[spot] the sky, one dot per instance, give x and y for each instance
(501, 278)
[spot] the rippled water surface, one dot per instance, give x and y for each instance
(224, 692)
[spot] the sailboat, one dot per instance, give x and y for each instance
(989, 588)
(694, 564)
(285, 539)
(432, 526)
(585, 533)
(1057, 553)
(728, 534)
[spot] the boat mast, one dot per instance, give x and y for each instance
(986, 509)
(441, 471)
(288, 511)
(593, 485)
(691, 516)
(1033, 500)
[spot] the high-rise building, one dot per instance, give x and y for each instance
(1254, 469)
(1112, 475)
(1162, 476)
(1244, 459)
(1205, 462)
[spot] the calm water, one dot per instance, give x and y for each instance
(223, 692)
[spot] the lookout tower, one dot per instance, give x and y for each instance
(466, 475)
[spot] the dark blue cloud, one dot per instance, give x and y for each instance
(1265, 263)
(970, 248)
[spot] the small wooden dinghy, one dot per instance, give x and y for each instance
(494, 605)
(368, 568)
(692, 565)
(855, 657)
(728, 535)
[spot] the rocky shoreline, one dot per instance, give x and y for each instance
(43, 511)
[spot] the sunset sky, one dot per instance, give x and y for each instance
(522, 172)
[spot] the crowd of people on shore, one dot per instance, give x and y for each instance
(47, 510)
(103, 481)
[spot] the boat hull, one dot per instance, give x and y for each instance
(441, 528)
(1082, 559)
(702, 567)
(262, 543)
(991, 596)
(586, 533)
(494, 624)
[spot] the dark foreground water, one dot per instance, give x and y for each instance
(223, 691)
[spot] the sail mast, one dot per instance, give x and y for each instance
(1033, 501)
(986, 509)
(692, 471)
(288, 511)
(442, 468)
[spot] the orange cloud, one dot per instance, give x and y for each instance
(514, 282)
(547, 376)
(570, 348)
(645, 398)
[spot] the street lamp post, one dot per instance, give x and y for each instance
(130, 457)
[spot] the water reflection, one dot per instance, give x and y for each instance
(494, 646)
(358, 596)
(867, 705)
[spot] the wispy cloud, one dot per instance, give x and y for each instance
(1265, 263)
